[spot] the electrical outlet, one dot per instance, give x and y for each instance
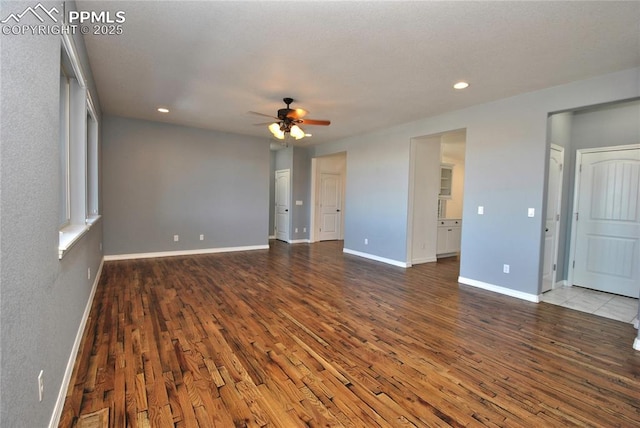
(202, 237)
(505, 268)
(176, 238)
(101, 246)
(304, 229)
(88, 273)
(366, 241)
(41, 385)
(296, 230)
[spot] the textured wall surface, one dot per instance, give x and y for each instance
(42, 298)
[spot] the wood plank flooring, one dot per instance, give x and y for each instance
(304, 335)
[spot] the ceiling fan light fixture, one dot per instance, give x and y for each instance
(276, 131)
(296, 132)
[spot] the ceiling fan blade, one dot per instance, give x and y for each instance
(315, 122)
(297, 113)
(265, 115)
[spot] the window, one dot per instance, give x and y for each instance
(93, 210)
(65, 209)
(78, 151)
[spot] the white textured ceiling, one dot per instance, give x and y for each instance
(363, 65)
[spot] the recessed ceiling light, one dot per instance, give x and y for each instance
(461, 85)
(163, 110)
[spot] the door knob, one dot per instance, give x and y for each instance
(337, 210)
(287, 210)
(547, 229)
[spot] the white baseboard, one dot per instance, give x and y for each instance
(57, 410)
(183, 252)
(424, 260)
(498, 289)
(376, 258)
(272, 236)
(636, 344)
(299, 241)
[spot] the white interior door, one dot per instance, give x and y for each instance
(282, 205)
(330, 206)
(607, 219)
(554, 203)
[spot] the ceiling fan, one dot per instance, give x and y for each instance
(288, 121)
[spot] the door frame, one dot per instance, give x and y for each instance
(314, 197)
(576, 196)
(318, 232)
(275, 219)
(558, 202)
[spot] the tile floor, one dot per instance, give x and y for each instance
(595, 302)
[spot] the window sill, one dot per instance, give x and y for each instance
(69, 235)
(92, 219)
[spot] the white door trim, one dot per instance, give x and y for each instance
(576, 196)
(317, 169)
(558, 203)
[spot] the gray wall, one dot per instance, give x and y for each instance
(272, 192)
(301, 191)
(43, 298)
(162, 180)
(505, 171)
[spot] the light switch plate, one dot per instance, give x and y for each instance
(480, 210)
(531, 212)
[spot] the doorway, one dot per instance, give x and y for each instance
(606, 221)
(281, 225)
(436, 195)
(328, 194)
(330, 206)
(552, 221)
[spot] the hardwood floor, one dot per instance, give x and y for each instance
(304, 335)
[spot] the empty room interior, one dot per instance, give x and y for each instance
(296, 214)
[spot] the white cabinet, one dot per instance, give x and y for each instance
(449, 233)
(446, 180)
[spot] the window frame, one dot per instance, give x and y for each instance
(93, 165)
(74, 151)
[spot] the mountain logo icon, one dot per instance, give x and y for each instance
(39, 11)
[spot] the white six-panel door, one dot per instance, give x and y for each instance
(607, 221)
